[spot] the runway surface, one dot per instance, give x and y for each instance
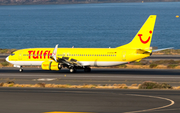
(163, 57)
(39, 100)
(97, 76)
(3, 56)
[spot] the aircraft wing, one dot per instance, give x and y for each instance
(68, 61)
(64, 60)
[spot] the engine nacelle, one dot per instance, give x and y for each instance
(50, 65)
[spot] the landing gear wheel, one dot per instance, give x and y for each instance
(59, 66)
(87, 69)
(20, 70)
(72, 70)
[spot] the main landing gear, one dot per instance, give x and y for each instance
(74, 69)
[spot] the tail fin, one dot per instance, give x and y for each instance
(142, 40)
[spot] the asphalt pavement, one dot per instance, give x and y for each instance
(97, 76)
(40, 100)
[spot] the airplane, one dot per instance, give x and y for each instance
(83, 58)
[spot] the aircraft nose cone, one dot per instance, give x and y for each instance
(7, 59)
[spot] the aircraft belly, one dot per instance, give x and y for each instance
(101, 63)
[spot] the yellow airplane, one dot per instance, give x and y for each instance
(82, 58)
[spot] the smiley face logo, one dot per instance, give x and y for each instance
(146, 41)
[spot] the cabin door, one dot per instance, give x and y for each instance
(124, 56)
(20, 55)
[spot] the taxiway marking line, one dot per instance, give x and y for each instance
(172, 102)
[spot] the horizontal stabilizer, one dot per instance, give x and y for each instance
(162, 49)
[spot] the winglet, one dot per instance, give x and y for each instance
(55, 53)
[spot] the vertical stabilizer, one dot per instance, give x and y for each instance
(142, 40)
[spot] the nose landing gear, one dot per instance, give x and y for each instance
(21, 69)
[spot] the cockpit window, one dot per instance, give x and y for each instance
(12, 54)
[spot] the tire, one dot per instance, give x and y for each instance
(72, 70)
(20, 70)
(59, 66)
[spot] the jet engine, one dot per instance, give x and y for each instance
(51, 65)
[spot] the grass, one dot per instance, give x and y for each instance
(3, 50)
(167, 62)
(154, 85)
(153, 65)
(1, 84)
(5, 63)
(10, 82)
(68, 84)
(11, 85)
(172, 65)
(144, 85)
(2, 60)
(137, 63)
(41, 84)
(123, 66)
